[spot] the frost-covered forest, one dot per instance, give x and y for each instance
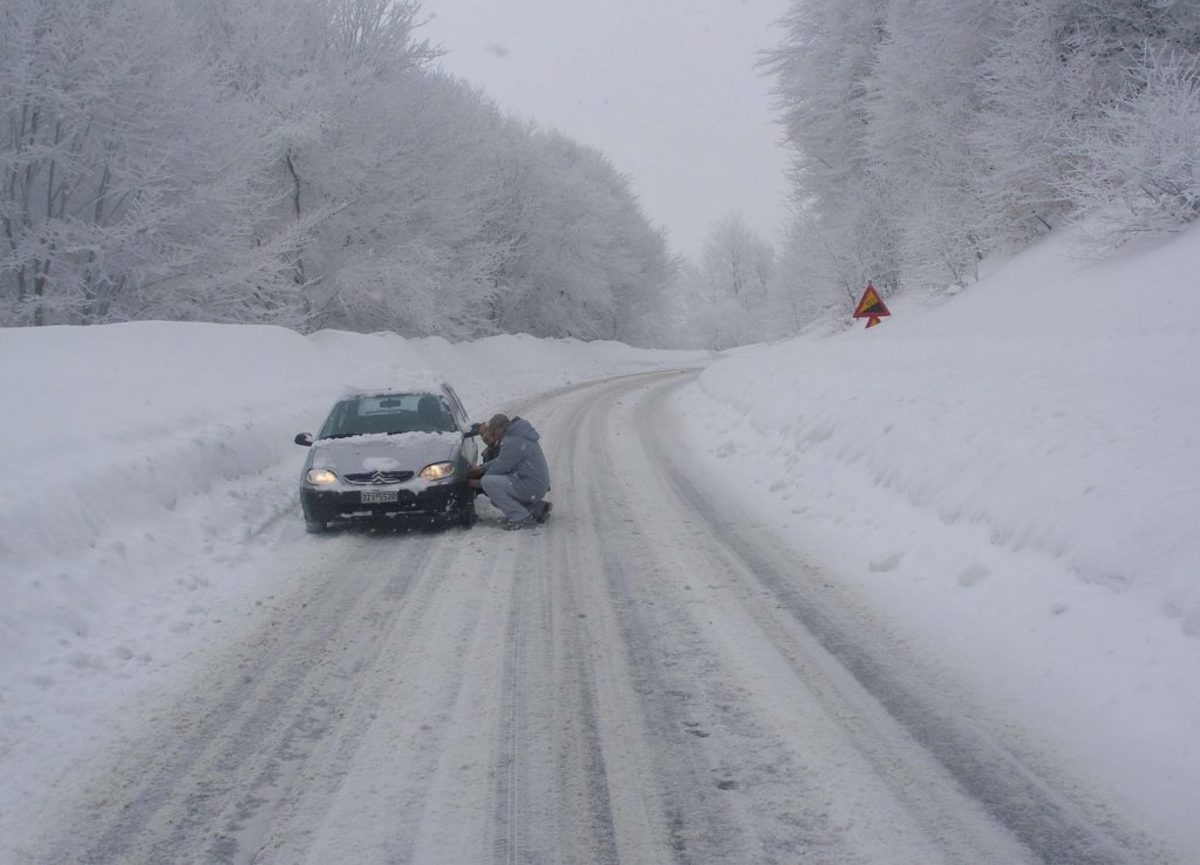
(928, 134)
(296, 162)
(306, 163)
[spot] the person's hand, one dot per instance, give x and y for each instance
(474, 472)
(475, 484)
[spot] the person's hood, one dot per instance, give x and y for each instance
(379, 452)
(522, 429)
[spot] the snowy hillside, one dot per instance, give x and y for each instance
(1015, 474)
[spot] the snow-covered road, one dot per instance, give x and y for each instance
(650, 678)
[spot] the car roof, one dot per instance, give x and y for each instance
(407, 383)
(359, 393)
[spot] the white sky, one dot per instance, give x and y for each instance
(667, 89)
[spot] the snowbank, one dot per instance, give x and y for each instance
(1013, 475)
(110, 426)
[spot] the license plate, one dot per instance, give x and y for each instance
(377, 497)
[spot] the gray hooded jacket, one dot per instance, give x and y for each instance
(522, 459)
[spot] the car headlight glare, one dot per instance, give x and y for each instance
(437, 471)
(321, 477)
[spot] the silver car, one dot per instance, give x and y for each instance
(390, 455)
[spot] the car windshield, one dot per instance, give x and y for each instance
(389, 414)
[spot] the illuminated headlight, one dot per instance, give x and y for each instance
(437, 471)
(321, 477)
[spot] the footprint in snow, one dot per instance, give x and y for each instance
(887, 563)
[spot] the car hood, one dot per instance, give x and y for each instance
(371, 453)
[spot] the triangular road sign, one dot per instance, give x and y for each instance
(871, 306)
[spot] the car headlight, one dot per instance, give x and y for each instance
(321, 477)
(437, 471)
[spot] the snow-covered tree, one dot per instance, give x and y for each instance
(737, 263)
(581, 248)
(924, 103)
(1138, 162)
(295, 162)
(812, 283)
(124, 189)
(731, 295)
(823, 71)
(929, 133)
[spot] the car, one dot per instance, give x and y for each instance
(390, 455)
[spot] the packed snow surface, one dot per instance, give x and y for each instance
(1010, 475)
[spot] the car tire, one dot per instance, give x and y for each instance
(314, 528)
(466, 516)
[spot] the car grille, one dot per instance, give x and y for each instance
(377, 477)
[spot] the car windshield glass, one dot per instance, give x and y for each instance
(389, 414)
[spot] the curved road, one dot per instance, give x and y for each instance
(646, 679)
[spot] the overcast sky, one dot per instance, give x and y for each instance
(667, 89)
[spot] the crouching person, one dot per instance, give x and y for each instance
(517, 478)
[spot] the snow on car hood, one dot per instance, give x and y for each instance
(381, 452)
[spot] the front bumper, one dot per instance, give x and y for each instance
(442, 500)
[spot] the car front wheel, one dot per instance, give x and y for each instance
(314, 527)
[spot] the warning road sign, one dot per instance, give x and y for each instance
(871, 307)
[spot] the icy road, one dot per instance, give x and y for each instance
(646, 679)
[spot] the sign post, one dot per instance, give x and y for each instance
(871, 307)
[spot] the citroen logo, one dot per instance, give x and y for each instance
(378, 478)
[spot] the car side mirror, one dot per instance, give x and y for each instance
(304, 439)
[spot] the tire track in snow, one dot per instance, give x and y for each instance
(406, 782)
(691, 825)
(188, 794)
(552, 800)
